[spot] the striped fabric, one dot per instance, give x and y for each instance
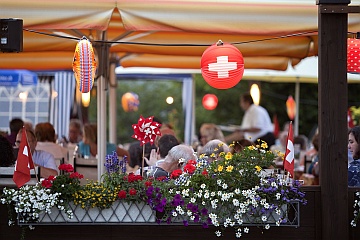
(64, 85)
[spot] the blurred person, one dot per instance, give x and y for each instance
(75, 131)
(208, 132)
(15, 125)
(44, 160)
(354, 149)
(46, 138)
(280, 149)
(7, 151)
(175, 159)
(136, 155)
(88, 146)
(212, 150)
(256, 123)
(164, 144)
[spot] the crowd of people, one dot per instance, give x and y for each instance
(161, 158)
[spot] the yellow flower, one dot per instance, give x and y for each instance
(258, 168)
(229, 168)
(228, 156)
(232, 144)
(251, 147)
(212, 155)
(220, 168)
(264, 145)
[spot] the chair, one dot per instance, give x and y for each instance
(86, 167)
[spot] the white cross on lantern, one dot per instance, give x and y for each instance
(222, 66)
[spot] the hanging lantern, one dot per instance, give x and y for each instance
(255, 93)
(222, 65)
(84, 65)
(130, 102)
(353, 55)
(210, 101)
(291, 107)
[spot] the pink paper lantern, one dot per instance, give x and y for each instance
(222, 65)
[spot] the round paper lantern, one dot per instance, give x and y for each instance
(210, 101)
(130, 102)
(291, 107)
(353, 55)
(84, 65)
(222, 65)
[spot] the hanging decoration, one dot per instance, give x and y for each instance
(130, 102)
(146, 130)
(84, 65)
(353, 55)
(291, 107)
(222, 65)
(210, 101)
(350, 119)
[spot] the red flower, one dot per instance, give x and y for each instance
(76, 175)
(133, 178)
(51, 178)
(205, 172)
(46, 183)
(132, 191)
(122, 194)
(66, 167)
(189, 168)
(162, 178)
(193, 162)
(148, 184)
(175, 174)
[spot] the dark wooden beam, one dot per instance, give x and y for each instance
(333, 100)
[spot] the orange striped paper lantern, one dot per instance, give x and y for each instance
(353, 55)
(84, 65)
(222, 65)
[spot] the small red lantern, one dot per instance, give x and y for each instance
(353, 55)
(210, 101)
(130, 102)
(291, 107)
(222, 65)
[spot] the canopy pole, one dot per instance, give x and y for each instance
(112, 101)
(297, 101)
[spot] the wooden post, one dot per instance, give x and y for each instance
(333, 100)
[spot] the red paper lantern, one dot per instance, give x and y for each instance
(222, 65)
(291, 107)
(353, 55)
(210, 101)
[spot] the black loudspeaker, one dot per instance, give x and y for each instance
(11, 35)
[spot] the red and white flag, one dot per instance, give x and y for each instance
(24, 162)
(289, 154)
(350, 119)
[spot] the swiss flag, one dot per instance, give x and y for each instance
(24, 162)
(350, 120)
(289, 154)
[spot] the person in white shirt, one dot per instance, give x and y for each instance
(256, 123)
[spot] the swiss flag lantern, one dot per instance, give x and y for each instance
(210, 101)
(222, 65)
(353, 55)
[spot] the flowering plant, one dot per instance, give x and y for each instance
(356, 210)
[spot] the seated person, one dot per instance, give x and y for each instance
(46, 138)
(7, 159)
(136, 155)
(165, 143)
(213, 148)
(176, 158)
(88, 147)
(44, 160)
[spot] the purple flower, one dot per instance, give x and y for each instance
(204, 211)
(186, 223)
(205, 225)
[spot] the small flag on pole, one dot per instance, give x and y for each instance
(289, 154)
(24, 162)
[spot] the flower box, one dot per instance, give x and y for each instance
(119, 212)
